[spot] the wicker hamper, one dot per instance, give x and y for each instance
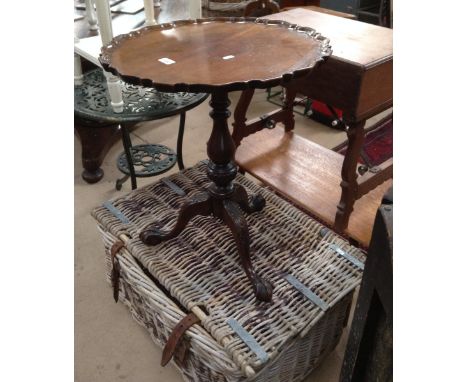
(314, 273)
(231, 8)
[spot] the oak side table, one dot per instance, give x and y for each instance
(357, 79)
(216, 56)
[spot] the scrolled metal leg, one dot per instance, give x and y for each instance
(119, 182)
(198, 205)
(180, 141)
(233, 218)
(127, 144)
(242, 198)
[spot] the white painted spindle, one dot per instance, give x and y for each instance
(91, 15)
(105, 30)
(195, 9)
(78, 71)
(149, 12)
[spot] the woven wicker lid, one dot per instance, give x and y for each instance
(311, 268)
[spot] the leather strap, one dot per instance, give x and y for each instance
(173, 342)
(176, 335)
(115, 273)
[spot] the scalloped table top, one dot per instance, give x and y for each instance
(215, 54)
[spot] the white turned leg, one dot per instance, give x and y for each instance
(105, 20)
(78, 71)
(195, 9)
(115, 92)
(91, 15)
(149, 12)
(105, 29)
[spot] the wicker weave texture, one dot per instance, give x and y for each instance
(233, 8)
(201, 267)
(207, 361)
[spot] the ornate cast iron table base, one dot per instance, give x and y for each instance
(224, 199)
(144, 161)
(92, 104)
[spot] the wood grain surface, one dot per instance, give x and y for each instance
(203, 55)
(309, 175)
(358, 76)
(322, 10)
(361, 43)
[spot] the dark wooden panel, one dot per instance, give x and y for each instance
(376, 92)
(336, 83)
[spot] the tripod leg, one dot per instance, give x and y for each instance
(198, 205)
(232, 216)
(242, 198)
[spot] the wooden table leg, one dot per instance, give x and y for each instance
(289, 108)
(355, 132)
(228, 198)
(285, 115)
(349, 184)
(95, 143)
(240, 115)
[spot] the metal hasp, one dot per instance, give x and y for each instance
(313, 297)
(347, 256)
(249, 340)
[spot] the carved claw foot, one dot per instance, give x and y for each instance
(230, 211)
(242, 198)
(153, 236)
(198, 205)
(263, 289)
(257, 203)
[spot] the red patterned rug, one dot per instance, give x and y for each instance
(378, 145)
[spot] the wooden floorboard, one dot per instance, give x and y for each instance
(309, 175)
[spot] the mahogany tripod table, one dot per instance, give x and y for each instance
(216, 56)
